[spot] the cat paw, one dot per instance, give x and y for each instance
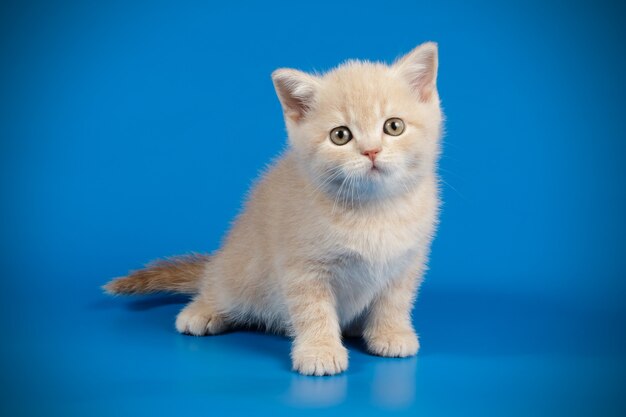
(319, 361)
(198, 319)
(393, 344)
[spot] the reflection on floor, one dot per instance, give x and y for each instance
(482, 354)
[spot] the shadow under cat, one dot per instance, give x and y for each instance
(452, 322)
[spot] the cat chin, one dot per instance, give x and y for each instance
(379, 186)
(380, 176)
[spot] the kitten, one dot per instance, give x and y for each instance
(335, 236)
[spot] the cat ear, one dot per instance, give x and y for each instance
(295, 90)
(419, 68)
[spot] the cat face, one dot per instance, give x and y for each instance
(365, 129)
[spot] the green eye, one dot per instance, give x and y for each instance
(340, 135)
(394, 126)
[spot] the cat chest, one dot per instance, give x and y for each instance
(378, 242)
(358, 281)
(366, 263)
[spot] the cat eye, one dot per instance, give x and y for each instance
(340, 135)
(394, 126)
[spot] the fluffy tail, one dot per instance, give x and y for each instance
(179, 274)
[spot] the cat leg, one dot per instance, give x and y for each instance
(199, 318)
(388, 327)
(317, 347)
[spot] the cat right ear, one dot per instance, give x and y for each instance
(295, 90)
(419, 68)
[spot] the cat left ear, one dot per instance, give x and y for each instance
(419, 68)
(296, 91)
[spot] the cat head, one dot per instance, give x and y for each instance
(369, 128)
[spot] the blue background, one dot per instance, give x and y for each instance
(132, 130)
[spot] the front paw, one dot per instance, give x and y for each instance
(319, 360)
(393, 344)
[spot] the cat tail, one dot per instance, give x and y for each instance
(179, 274)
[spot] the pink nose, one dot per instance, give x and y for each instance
(371, 154)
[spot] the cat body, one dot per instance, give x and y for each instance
(361, 251)
(335, 236)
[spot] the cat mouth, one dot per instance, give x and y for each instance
(375, 170)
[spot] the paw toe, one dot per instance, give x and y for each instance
(320, 361)
(198, 322)
(398, 345)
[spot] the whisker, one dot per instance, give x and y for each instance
(450, 185)
(338, 194)
(327, 180)
(352, 192)
(450, 172)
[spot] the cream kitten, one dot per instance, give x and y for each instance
(336, 235)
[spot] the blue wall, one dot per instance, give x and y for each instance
(132, 130)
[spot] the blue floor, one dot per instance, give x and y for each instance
(489, 355)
